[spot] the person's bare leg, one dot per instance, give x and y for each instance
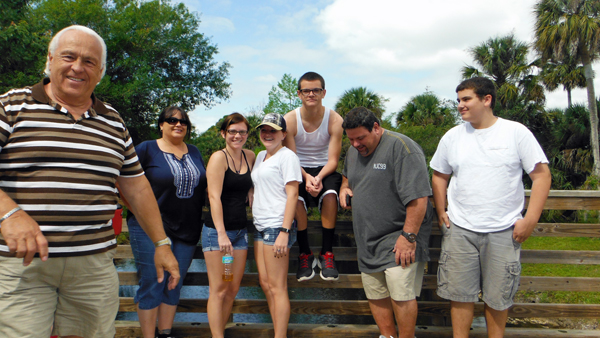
(383, 314)
(406, 317)
(239, 264)
(216, 289)
(263, 278)
(462, 318)
(147, 320)
(277, 269)
(166, 316)
(222, 294)
(329, 208)
(496, 322)
(301, 216)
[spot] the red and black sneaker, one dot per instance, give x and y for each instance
(306, 266)
(327, 265)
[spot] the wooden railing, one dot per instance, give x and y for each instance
(429, 305)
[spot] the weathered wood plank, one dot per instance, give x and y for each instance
(541, 229)
(567, 200)
(349, 254)
(361, 308)
(353, 281)
(259, 330)
(560, 256)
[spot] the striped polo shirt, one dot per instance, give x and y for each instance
(62, 172)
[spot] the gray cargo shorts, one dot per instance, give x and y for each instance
(472, 262)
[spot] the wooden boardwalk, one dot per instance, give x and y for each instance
(429, 305)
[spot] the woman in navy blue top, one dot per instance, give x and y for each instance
(178, 178)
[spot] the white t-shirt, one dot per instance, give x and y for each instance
(270, 177)
(486, 193)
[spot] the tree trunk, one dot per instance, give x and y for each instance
(589, 78)
(569, 98)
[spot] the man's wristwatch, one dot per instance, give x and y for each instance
(286, 230)
(409, 236)
(166, 241)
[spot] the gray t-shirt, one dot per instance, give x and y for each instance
(383, 183)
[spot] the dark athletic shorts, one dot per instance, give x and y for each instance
(331, 185)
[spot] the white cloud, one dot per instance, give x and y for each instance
(269, 78)
(216, 24)
(418, 35)
(396, 48)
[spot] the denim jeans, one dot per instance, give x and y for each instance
(151, 293)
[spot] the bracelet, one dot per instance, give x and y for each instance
(10, 213)
(286, 230)
(166, 241)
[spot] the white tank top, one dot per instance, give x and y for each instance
(312, 148)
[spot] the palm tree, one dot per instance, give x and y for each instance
(425, 109)
(504, 61)
(361, 97)
(572, 27)
(567, 73)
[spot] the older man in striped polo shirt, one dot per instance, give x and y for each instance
(61, 152)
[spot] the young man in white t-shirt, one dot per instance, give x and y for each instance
(315, 134)
(483, 228)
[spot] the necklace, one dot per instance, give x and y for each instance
(232, 160)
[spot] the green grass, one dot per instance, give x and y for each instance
(123, 238)
(560, 270)
(561, 243)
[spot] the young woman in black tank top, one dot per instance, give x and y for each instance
(224, 231)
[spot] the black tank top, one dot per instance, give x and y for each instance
(233, 198)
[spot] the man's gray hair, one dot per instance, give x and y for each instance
(54, 44)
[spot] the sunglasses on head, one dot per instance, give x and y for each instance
(173, 121)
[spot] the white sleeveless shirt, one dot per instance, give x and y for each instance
(312, 148)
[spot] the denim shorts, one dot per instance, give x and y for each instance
(269, 235)
(151, 293)
(210, 239)
(471, 262)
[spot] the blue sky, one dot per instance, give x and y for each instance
(395, 48)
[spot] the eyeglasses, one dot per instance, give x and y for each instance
(173, 121)
(232, 132)
(307, 92)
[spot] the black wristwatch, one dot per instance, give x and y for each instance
(286, 230)
(409, 236)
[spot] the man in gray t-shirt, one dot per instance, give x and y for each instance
(386, 177)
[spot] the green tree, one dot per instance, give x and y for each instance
(425, 109)
(572, 27)
(156, 55)
(566, 73)
(504, 61)
(361, 97)
(283, 97)
(23, 49)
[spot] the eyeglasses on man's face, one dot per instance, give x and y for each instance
(233, 132)
(173, 121)
(307, 91)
